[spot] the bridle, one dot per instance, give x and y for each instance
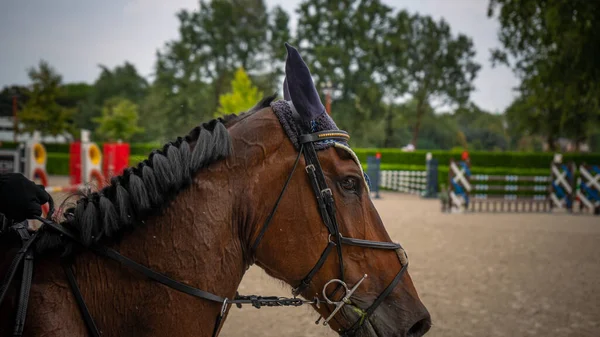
(327, 210)
(325, 201)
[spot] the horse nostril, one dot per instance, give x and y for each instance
(420, 328)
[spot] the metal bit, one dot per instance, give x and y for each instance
(343, 301)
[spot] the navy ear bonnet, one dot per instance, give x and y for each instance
(301, 111)
(288, 119)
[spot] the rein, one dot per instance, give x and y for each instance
(327, 210)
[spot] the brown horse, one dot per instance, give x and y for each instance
(209, 205)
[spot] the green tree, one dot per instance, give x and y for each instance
(438, 131)
(553, 46)
(348, 43)
(119, 120)
(482, 130)
(534, 113)
(10, 95)
(194, 70)
(6, 99)
(73, 94)
(243, 96)
(42, 111)
(77, 96)
(224, 35)
(123, 81)
(441, 67)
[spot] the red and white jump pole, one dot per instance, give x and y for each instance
(85, 166)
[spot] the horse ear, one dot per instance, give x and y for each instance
(300, 86)
(286, 91)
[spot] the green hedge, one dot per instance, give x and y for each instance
(142, 149)
(389, 156)
(479, 159)
(134, 160)
(8, 145)
(58, 164)
(497, 163)
(58, 148)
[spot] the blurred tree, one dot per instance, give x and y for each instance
(42, 111)
(244, 95)
(77, 97)
(348, 43)
(438, 131)
(73, 94)
(119, 120)
(6, 98)
(177, 96)
(482, 130)
(195, 69)
(536, 112)
(553, 46)
(595, 140)
(440, 67)
(462, 140)
(123, 81)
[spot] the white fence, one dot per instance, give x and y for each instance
(414, 182)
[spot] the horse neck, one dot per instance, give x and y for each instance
(260, 146)
(194, 241)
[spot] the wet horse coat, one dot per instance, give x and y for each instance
(192, 212)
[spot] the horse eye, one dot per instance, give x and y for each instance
(349, 184)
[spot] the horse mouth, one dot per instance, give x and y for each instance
(385, 328)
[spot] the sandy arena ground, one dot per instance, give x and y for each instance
(478, 274)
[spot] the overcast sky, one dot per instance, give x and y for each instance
(75, 36)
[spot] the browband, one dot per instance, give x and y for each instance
(324, 135)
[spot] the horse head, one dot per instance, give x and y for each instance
(317, 222)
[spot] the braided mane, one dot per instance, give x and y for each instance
(146, 189)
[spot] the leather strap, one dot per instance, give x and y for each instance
(218, 322)
(85, 312)
(310, 169)
(326, 204)
(308, 278)
(270, 217)
(169, 282)
(26, 254)
(370, 244)
(25, 285)
(12, 270)
(331, 210)
(114, 255)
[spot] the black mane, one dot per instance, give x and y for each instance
(146, 189)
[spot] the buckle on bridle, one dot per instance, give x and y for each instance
(224, 307)
(344, 300)
(296, 291)
(326, 191)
